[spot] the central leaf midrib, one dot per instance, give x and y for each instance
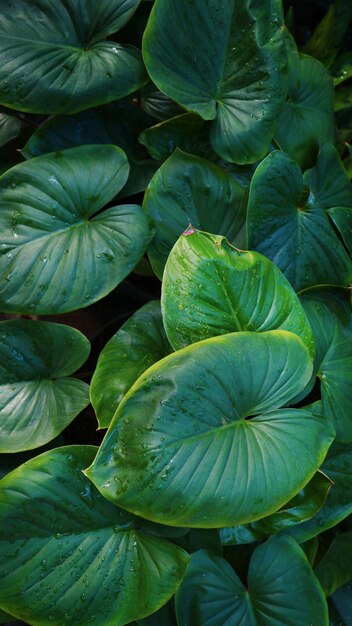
(36, 42)
(48, 235)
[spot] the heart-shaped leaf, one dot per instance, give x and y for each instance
(335, 568)
(281, 589)
(53, 257)
(137, 345)
(234, 79)
(118, 123)
(184, 448)
(306, 120)
(187, 189)
(68, 555)
(37, 400)
(60, 60)
(338, 467)
(211, 288)
(295, 231)
(301, 508)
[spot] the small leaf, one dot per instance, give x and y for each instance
(281, 589)
(211, 288)
(68, 555)
(53, 257)
(10, 127)
(200, 441)
(335, 568)
(342, 218)
(37, 399)
(137, 345)
(187, 189)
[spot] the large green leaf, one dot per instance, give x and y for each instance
(187, 189)
(199, 440)
(342, 605)
(37, 400)
(222, 60)
(137, 345)
(335, 568)
(55, 56)
(338, 467)
(342, 218)
(301, 508)
(295, 231)
(118, 123)
(306, 120)
(281, 589)
(68, 555)
(211, 288)
(330, 315)
(53, 258)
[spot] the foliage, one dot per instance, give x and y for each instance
(175, 196)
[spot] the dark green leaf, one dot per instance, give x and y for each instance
(342, 601)
(211, 288)
(342, 218)
(10, 127)
(53, 258)
(295, 231)
(281, 589)
(189, 190)
(68, 555)
(60, 61)
(239, 84)
(157, 104)
(199, 440)
(335, 568)
(137, 345)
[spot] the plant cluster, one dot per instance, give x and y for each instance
(204, 146)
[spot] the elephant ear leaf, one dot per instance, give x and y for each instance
(54, 255)
(275, 593)
(235, 80)
(211, 288)
(61, 60)
(37, 397)
(214, 404)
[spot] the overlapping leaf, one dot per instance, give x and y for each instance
(335, 569)
(137, 345)
(37, 399)
(199, 439)
(53, 257)
(60, 61)
(211, 288)
(234, 79)
(187, 189)
(68, 555)
(294, 230)
(281, 589)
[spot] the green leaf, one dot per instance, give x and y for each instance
(342, 68)
(10, 127)
(338, 467)
(37, 399)
(199, 441)
(342, 98)
(6, 617)
(329, 313)
(137, 345)
(118, 123)
(53, 258)
(187, 189)
(342, 602)
(342, 218)
(68, 555)
(60, 61)
(281, 589)
(294, 230)
(335, 568)
(157, 104)
(211, 288)
(306, 119)
(320, 44)
(301, 508)
(235, 80)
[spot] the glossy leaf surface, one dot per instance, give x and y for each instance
(60, 60)
(335, 569)
(137, 345)
(37, 399)
(189, 190)
(53, 257)
(68, 555)
(238, 85)
(199, 439)
(294, 231)
(281, 589)
(10, 127)
(211, 288)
